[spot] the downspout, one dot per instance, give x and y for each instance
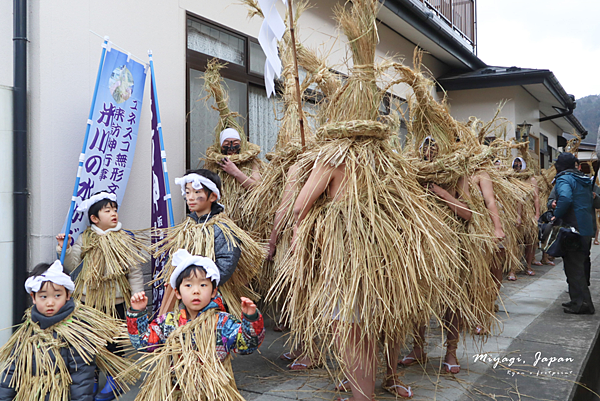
(566, 113)
(20, 192)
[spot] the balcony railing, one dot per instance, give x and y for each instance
(458, 14)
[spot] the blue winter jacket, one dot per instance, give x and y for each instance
(574, 204)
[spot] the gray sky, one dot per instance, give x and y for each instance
(561, 36)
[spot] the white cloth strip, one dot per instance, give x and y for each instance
(198, 182)
(86, 204)
(183, 259)
(55, 275)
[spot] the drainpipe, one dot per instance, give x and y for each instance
(20, 192)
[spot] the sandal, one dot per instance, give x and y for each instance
(536, 263)
(287, 356)
(480, 331)
(392, 388)
(530, 272)
(451, 347)
(511, 277)
(299, 366)
(447, 368)
(410, 361)
(343, 386)
(596, 242)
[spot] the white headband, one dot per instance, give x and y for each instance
(54, 274)
(183, 259)
(198, 182)
(86, 204)
(425, 140)
(523, 164)
(229, 133)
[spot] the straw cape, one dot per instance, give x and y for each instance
(233, 193)
(41, 375)
(373, 253)
(199, 239)
(107, 260)
(187, 368)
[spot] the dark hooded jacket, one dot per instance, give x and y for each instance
(82, 374)
(574, 203)
(227, 255)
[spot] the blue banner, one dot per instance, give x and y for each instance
(113, 132)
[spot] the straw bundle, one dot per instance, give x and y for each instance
(187, 368)
(233, 193)
(107, 260)
(199, 239)
(41, 373)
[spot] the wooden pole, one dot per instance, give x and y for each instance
(298, 95)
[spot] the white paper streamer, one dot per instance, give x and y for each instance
(271, 32)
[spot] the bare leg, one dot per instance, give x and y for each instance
(417, 355)
(360, 359)
(529, 255)
(452, 322)
(391, 383)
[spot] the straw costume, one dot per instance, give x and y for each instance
(217, 237)
(54, 357)
(458, 156)
(191, 357)
(247, 160)
(268, 199)
(111, 263)
(372, 255)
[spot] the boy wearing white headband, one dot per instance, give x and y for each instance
(108, 261)
(54, 350)
(208, 231)
(201, 316)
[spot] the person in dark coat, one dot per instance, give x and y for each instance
(574, 206)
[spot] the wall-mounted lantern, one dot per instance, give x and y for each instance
(523, 131)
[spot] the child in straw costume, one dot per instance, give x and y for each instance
(110, 256)
(232, 156)
(528, 211)
(53, 354)
(110, 259)
(368, 261)
(209, 231)
(191, 348)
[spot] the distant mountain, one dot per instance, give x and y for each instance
(588, 112)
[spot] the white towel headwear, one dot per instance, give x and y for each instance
(88, 203)
(198, 182)
(430, 138)
(523, 164)
(54, 274)
(229, 133)
(183, 259)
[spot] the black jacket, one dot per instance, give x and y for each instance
(82, 374)
(227, 255)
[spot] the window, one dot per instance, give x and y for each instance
(243, 76)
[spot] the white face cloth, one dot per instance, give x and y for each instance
(183, 259)
(523, 164)
(88, 203)
(54, 274)
(229, 133)
(197, 182)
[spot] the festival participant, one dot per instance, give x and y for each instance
(55, 350)
(232, 157)
(529, 213)
(110, 260)
(343, 280)
(208, 231)
(452, 197)
(108, 256)
(192, 346)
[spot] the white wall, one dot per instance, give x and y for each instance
(63, 62)
(6, 211)
(6, 43)
(483, 104)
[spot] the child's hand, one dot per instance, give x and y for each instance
(61, 238)
(248, 307)
(139, 301)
